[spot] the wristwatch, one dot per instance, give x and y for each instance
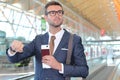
(12, 49)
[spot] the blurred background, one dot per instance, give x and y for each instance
(96, 21)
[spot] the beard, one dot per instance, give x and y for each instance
(55, 24)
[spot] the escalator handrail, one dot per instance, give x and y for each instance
(114, 72)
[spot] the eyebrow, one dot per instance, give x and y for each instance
(55, 10)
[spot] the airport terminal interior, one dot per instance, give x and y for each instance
(97, 22)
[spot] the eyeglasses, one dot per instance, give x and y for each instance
(53, 13)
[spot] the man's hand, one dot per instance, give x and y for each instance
(51, 61)
(17, 46)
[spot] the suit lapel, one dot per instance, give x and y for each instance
(45, 39)
(63, 41)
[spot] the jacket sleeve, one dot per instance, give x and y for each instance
(79, 67)
(28, 51)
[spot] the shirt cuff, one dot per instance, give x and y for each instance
(62, 71)
(11, 54)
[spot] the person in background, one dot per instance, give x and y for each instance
(53, 66)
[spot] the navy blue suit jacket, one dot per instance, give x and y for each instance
(78, 69)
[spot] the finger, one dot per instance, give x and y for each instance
(45, 61)
(18, 44)
(14, 44)
(20, 48)
(48, 57)
(45, 57)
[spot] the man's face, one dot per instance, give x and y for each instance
(54, 16)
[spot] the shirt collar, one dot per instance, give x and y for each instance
(57, 34)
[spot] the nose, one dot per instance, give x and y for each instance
(56, 14)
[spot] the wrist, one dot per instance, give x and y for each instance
(60, 67)
(11, 50)
(10, 53)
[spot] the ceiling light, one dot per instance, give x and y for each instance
(48, 0)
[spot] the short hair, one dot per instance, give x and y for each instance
(50, 4)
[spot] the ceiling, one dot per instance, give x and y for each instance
(100, 13)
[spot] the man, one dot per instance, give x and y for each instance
(53, 66)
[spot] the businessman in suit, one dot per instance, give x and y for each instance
(53, 66)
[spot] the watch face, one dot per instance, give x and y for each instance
(12, 49)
